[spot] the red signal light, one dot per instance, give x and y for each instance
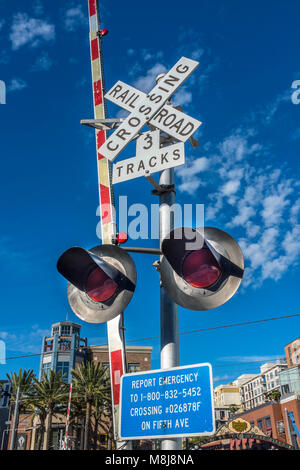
(201, 269)
(103, 32)
(99, 286)
(122, 237)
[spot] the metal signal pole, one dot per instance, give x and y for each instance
(169, 337)
(115, 330)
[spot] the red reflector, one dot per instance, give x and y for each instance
(99, 286)
(122, 237)
(200, 268)
(104, 32)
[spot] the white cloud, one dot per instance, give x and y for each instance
(270, 111)
(16, 84)
(230, 187)
(189, 172)
(32, 31)
(296, 134)
(74, 18)
(218, 378)
(147, 82)
(274, 205)
(197, 53)
(254, 198)
(182, 97)
(244, 214)
(29, 342)
(295, 210)
(42, 63)
(38, 8)
(148, 55)
(247, 359)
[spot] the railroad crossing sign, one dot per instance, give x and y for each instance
(168, 119)
(147, 109)
(164, 403)
(149, 158)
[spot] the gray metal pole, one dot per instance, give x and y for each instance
(169, 355)
(16, 416)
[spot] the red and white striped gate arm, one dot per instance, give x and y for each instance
(108, 223)
(68, 418)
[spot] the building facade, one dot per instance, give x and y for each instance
(64, 350)
(253, 391)
(272, 418)
(292, 353)
(226, 395)
(138, 358)
(290, 381)
(5, 388)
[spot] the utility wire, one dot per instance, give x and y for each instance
(219, 327)
(181, 333)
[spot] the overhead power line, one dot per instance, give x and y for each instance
(181, 333)
(219, 327)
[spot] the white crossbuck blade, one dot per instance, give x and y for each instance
(167, 119)
(148, 107)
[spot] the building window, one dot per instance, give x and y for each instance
(64, 368)
(133, 367)
(48, 345)
(45, 368)
(285, 389)
(55, 330)
(259, 423)
(268, 421)
(4, 401)
(64, 345)
(65, 330)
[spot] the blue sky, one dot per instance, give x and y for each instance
(245, 171)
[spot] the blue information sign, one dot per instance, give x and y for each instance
(163, 403)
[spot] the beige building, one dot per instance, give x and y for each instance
(226, 395)
(253, 391)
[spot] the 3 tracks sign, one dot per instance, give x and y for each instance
(152, 109)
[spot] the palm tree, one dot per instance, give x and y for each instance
(38, 410)
(91, 383)
(101, 413)
(274, 395)
(49, 396)
(233, 408)
(24, 380)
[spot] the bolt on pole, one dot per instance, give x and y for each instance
(169, 355)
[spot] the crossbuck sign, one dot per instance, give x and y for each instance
(152, 109)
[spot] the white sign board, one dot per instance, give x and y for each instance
(167, 119)
(161, 159)
(147, 144)
(147, 108)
